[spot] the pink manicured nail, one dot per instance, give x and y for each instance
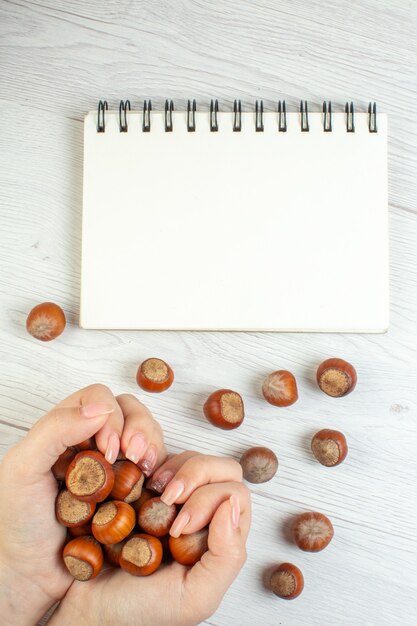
(161, 482)
(173, 492)
(180, 523)
(148, 462)
(113, 446)
(137, 445)
(95, 409)
(235, 513)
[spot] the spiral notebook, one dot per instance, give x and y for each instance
(240, 220)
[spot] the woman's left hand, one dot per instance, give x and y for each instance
(32, 574)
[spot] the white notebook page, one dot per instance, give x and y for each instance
(235, 230)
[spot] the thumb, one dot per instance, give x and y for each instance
(220, 565)
(59, 429)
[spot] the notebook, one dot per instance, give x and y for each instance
(235, 220)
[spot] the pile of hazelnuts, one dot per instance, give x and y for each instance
(106, 509)
(109, 514)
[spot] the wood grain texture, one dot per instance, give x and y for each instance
(57, 59)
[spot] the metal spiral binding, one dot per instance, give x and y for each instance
(237, 116)
(191, 116)
(146, 116)
(350, 117)
(373, 128)
(259, 116)
(123, 107)
(169, 107)
(282, 117)
(214, 109)
(327, 117)
(305, 127)
(101, 122)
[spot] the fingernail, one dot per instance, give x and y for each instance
(235, 512)
(137, 445)
(179, 524)
(161, 482)
(148, 462)
(173, 492)
(113, 445)
(95, 409)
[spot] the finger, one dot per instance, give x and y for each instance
(108, 437)
(197, 471)
(59, 429)
(167, 470)
(219, 566)
(142, 439)
(201, 506)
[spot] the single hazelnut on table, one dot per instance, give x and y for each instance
(79, 531)
(141, 555)
(336, 377)
(224, 409)
(259, 464)
(287, 581)
(113, 521)
(83, 558)
(154, 375)
(59, 468)
(312, 532)
(329, 447)
(128, 481)
(72, 512)
(89, 476)
(155, 517)
(46, 321)
(188, 549)
(280, 388)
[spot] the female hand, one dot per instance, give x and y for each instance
(211, 491)
(32, 575)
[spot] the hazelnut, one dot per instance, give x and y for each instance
(329, 447)
(259, 464)
(336, 377)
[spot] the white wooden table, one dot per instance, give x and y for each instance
(57, 59)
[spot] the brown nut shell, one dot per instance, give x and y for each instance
(113, 521)
(154, 375)
(90, 477)
(188, 549)
(155, 517)
(72, 512)
(287, 581)
(329, 447)
(336, 377)
(224, 409)
(141, 555)
(280, 388)
(128, 481)
(312, 531)
(113, 551)
(87, 444)
(79, 531)
(46, 321)
(259, 464)
(83, 557)
(59, 468)
(146, 494)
